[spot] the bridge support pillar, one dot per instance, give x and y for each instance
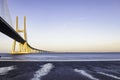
(21, 48)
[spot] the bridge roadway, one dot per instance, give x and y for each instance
(9, 31)
(6, 29)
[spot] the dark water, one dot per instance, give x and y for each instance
(83, 56)
(72, 70)
(60, 66)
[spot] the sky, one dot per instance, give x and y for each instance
(67, 25)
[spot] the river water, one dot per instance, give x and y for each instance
(66, 66)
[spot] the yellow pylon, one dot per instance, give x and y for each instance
(22, 48)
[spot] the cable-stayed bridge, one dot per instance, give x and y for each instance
(6, 28)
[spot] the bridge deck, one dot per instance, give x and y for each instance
(9, 31)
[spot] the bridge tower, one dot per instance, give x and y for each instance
(22, 48)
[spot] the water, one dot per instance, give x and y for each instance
(65, 66)
(113, 56)
(87, 70)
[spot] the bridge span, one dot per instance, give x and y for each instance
(20, 44)
(9, 31)
(23, 46)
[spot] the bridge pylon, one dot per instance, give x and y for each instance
(22, 48)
